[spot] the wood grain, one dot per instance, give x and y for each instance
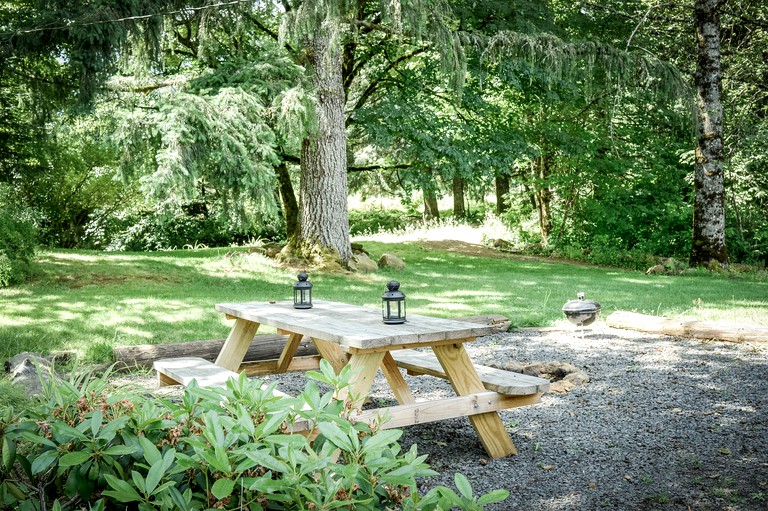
(499, 380)
(465, 381)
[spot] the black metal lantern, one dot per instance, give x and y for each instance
(393, 304)
(302, 292)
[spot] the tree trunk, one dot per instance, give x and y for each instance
(458, 197)
(709, 199)
(431, 209)
(288, 198)
(323, 220)
(543, 195)
(502, 193)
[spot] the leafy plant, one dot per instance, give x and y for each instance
(87, 445)
(18, 240)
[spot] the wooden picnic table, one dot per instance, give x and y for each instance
(352, 335)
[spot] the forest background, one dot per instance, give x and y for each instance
(145, 125)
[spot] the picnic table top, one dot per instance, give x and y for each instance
(353, 326)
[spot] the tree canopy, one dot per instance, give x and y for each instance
(247, 116)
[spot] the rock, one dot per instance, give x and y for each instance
(658, 269)
(27, 370)
(361, 262)
(391, 261)
(357, 247)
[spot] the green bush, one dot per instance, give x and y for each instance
(188, 228)
(87, 446)
(376, 220)
(18, 240)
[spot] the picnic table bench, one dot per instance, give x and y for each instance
(351, 335)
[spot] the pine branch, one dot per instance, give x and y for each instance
(370, 168)
(376, 83)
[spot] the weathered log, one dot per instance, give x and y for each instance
(269, 346)
(687, 328)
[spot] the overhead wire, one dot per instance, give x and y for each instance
(120, 20)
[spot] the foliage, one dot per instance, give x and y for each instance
(375, 220)
(87, 445)
(18, 240)
(190, 226)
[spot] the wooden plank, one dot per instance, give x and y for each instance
(236, 346)
(461, 373)
(431, 411)
(364, 368)
(266, 367)
(333, 353)
(351, 326)
(397, 347)
(183, 370)
(396, 381)
(498, 380)
(688, 328)
(288, 352)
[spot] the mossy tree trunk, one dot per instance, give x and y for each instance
(288, 199)
(323, 219)
(459, 209)
(709, 189)
(542, 194)
(502, 192)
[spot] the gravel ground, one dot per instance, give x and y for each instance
(664, 424)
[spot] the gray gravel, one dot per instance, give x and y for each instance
(665, 423)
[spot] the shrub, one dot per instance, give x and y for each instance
(376, 220)
(154, 230)
(18, 240)
(89, 446)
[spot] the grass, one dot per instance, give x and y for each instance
(92, 301)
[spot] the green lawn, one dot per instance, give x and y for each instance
(91, 301)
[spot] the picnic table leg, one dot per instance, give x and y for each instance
(289, 350)
(237, 343)
(364, 367)
(333, 353)
(462, 375)
(396, 381)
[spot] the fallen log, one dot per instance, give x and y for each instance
(687, 328)
(269, 346)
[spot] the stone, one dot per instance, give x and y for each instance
(391, 261)
(27, 370)
(361, 262)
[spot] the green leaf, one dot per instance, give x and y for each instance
(123, 491)
(462, 483)
(139, 481)
(8, 454)
(74, 458)
(120, 450)
(42, 462)
(494, 496)
(31, 437)
(222, 488)
(381, 440)
(156, 472)
(333, 432)
(96, 419)
(151, 453)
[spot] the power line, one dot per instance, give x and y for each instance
(127, 18)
